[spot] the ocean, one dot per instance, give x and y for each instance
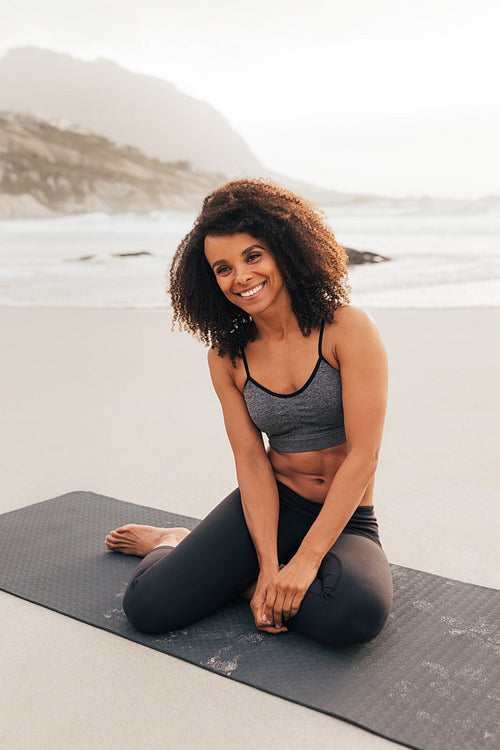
(442, 254)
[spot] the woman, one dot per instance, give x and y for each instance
(262, 281)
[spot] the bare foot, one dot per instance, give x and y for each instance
(135, 539)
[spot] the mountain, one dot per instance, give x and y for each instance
(140, 111)
(128, 108)
(48, 171)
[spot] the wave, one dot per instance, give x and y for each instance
(448, 257)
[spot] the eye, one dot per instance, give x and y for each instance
(253, 256)
(221, 270)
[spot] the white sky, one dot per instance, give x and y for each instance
(396, 97)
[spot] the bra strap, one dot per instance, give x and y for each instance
(245, 362)
(320, 340)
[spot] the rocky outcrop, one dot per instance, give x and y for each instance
(47, 171)
(358, 257)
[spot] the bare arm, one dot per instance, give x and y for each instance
(256, 480)
(363, 363)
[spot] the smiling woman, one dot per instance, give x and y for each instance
(283, 225)
(261, 279)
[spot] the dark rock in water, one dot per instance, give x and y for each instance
(118, 255)
(130, 255)
(357, 257)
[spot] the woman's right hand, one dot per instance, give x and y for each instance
(257, 604)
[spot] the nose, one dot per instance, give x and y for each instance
(243, 274)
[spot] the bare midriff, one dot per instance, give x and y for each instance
(310, 474)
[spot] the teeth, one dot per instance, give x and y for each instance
(252, 291)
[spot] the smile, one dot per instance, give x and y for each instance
(251, 292)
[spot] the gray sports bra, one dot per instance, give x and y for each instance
(310, 419)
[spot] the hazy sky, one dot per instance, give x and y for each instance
(396, 97)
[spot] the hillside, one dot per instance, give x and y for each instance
(47, 171)
(142, 111)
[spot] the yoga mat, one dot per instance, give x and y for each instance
(429, 681)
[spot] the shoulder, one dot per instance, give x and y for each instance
(351, 321)
(213, 357)
(348, 316)
(352, 329)
(222, 371)
(219, 365)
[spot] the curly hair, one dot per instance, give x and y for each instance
(313, 265)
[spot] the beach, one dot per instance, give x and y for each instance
(113, 401)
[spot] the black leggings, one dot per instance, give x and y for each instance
(349, 601)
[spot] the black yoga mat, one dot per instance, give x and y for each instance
(430, 680)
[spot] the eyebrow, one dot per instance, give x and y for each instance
(244, 252)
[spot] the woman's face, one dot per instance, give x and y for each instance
(246, 271)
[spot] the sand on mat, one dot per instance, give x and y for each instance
(113, 401)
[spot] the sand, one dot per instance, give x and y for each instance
(112, 401)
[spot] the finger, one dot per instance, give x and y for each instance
(271, 629)
(258, 614)
(267, 616)
(278, 610)
(266, 627)
(287, 607)
(295, 605)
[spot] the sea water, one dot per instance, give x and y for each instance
(442, 254)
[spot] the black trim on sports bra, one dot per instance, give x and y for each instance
(320, 340)
(310, 378)
(245, 363)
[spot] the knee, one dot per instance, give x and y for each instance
(355, 619)
(137, 614)
(360, 619)
(368, 615)
(143, 611)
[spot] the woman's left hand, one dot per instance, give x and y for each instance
(286, 592)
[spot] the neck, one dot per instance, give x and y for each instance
(278, 322)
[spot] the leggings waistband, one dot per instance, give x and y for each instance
(363, 521)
